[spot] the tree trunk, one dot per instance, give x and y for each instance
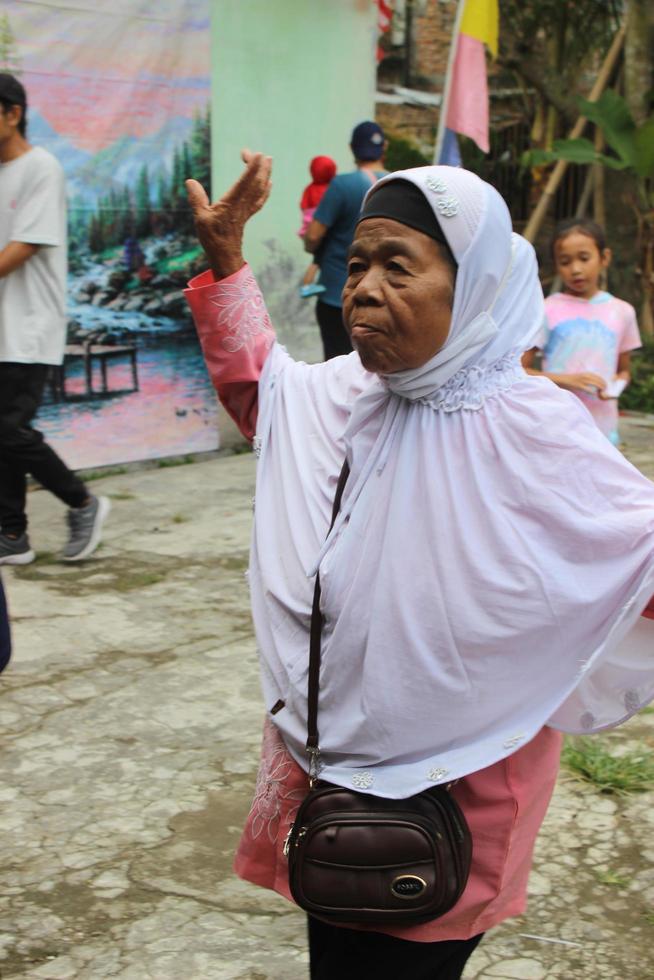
(638, 84)
(639, 57)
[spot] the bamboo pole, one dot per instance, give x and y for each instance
(539, 212)
(445, 98)
(599, 200)
(586, 194)
(594, 188)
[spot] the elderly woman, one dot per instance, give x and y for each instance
(487, 577)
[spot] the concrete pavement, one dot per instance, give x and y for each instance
(131, 718)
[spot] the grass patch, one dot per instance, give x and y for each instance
(180, 518)
(121, 495)
(163, 464)
(139, 580)
(590, 760)
(612, 878)
(36, 570)
(89, 475)
(46, 557)
(241, 447)
(119, 574)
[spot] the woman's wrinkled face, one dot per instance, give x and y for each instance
(397, 300)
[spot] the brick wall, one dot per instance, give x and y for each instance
(432, 34)
(413, 123)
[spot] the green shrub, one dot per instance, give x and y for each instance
(639, 395)
(402, 154)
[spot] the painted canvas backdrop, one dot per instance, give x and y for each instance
(119, 93)
(291, 78)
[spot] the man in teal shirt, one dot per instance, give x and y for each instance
(331, 231)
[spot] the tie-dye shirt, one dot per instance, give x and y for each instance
(589, 335)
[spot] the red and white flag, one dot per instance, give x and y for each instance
(384, 18)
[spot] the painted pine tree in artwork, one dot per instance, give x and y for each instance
(143, 204)
(201, 149)
(9, 59)
(156, 202)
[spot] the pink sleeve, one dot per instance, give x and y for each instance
(236, 336)
(630, 339)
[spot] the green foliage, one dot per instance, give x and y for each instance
(611, 114)
(639, 394)
(644, 147)
(578, 150)
(580, 26)
(590, 760)
(552, 44)
(402, 154)
(633, 145)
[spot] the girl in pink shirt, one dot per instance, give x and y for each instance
(588, 334)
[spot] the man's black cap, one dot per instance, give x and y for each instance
(11, 91)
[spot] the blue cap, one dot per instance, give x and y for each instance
(367, 141)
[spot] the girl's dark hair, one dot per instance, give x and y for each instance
(22, 125)
(585, 226)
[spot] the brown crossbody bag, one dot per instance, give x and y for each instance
(354, 857)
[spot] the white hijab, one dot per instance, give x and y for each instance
(493, 552)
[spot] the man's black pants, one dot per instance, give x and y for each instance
(23, 449)
(338, 953)
(335, 338)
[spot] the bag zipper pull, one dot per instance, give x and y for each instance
(289, 842)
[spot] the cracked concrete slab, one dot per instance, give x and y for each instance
(131, 718)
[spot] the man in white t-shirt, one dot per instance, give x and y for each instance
(33, 334)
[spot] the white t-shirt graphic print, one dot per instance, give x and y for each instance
(32, 298)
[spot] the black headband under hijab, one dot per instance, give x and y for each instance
(402, 201)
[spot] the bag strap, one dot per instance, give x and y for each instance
(315, 636)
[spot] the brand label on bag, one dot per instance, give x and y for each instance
(408, 886)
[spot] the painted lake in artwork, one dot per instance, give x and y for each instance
(174, 410)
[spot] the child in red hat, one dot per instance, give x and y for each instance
(322, 170)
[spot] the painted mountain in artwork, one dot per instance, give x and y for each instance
(120, 164)
(91, 175)
(41, 133)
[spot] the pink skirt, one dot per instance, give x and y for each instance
(504, 805)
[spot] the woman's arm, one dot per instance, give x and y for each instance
(236, 336)
(228, 309)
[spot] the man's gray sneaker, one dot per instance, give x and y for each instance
(15, 551)
(85, 528)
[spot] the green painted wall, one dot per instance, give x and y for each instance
(290, 78)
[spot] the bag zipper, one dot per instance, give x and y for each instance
(289, 842)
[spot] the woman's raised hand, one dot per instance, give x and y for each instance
(220, 226)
